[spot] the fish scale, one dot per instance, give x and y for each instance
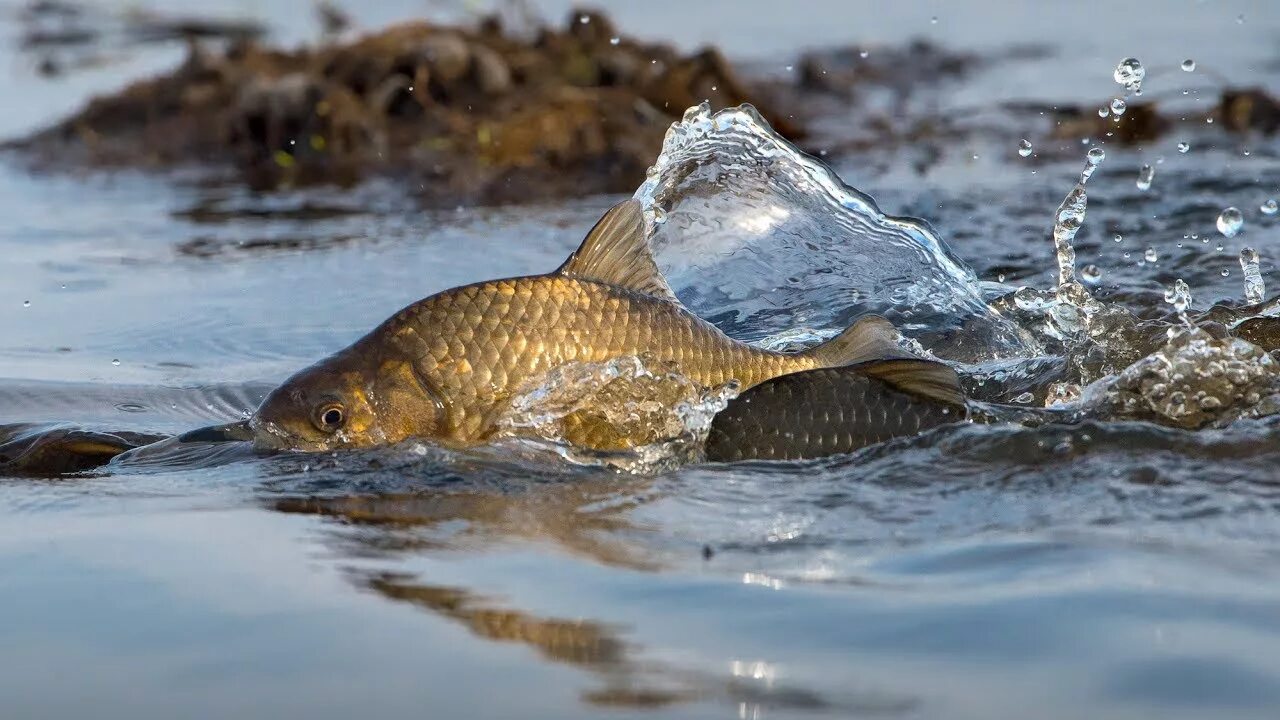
(820, 412)
(516, 329)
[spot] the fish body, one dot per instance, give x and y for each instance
(448, 366)
(823, 412)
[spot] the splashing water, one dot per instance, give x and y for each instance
(771, 246)
(1194, 380)
(626, 403)
(1179, 296)
(1255, 290)
(1075, 305)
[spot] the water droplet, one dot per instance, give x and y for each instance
(1126, 256)
(1119, 238)
(26, 303)
(1024, 148)
(1091, 273)
(1179, 296)
(1240, 19)
(1184, 146)
(1104, 111)
(1096, 156)
(1024, 398)
(863, 54)
(116, 362)
(615, 40)
(584, 19)
(1151, 255)
(1130, 73)
(1118, 106)
(1269, 207)
(1230, 221)
(790, 68)
(933, 20)
(1145, 176)
(1254, 288)
(1226, 273)
(1188, 65)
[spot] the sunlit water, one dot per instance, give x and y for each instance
(1122, 566)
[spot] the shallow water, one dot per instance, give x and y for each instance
(1108, 569)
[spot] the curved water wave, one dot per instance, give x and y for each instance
(769, 244)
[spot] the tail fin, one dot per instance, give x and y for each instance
(872, 345)
(871, 338)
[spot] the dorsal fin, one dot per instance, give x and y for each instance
(871, 338)
(919, 377)
(616, 252)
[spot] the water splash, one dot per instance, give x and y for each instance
(1179, 296)
(1074, 304)
(764, 240)
(1195, 380)
(625, 404)
(1255, 290)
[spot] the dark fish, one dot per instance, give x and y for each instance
(830, 411)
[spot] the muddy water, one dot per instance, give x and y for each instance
(1111, 569)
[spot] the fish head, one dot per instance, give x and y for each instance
(350, 400)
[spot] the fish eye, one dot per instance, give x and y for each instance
(330, 417)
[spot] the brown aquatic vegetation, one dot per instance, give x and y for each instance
(448, 367)
(466, 114)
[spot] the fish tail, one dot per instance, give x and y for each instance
(871, 338)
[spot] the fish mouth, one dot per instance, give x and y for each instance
(269, 436)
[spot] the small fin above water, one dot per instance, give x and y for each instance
(925, 378)
(871, 338)
(616, 252)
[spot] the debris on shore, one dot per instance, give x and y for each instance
(467, 115)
